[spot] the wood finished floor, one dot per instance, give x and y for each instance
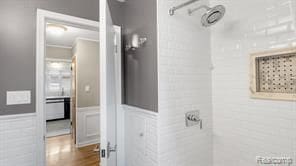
(60, 151)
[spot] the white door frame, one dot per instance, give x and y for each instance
(119, 110)
(42, 17)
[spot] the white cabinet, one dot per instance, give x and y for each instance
(55, 110)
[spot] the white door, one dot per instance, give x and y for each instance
(108, 101)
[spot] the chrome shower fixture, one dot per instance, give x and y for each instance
(173, 9)
(135, 42)
(190, 11)
(212, 16)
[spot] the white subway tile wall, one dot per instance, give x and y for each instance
(243, 127)
(184, 68)
(140, 137)
(18, 140)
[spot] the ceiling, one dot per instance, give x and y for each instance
(68, 37)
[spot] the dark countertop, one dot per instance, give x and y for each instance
(57, 97)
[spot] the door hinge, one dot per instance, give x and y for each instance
(110, 149)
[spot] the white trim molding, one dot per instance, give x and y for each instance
(84, 39)
(87, 143)
(92, 108)
(16, 116)
(58, 46)
(87, 39)
(56, 59)
(140, 110)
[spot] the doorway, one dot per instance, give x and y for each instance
(72, 94)
(55, 88)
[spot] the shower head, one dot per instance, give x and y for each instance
(212, 16)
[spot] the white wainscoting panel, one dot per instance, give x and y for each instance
(18, 140)
(88, 126)
(140, 137)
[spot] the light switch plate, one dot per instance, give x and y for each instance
(18, 97)
(87, 88)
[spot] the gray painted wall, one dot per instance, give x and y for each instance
(140, 66)
(17, 43)
(87, 54)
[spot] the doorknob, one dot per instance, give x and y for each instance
(110, 149)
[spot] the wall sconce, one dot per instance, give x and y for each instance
(135, 42)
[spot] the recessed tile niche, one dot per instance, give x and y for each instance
(273, 74)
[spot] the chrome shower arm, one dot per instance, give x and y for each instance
(173, 9)
(190, 11)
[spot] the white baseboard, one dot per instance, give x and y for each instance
(87, 143)
(58, 133)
